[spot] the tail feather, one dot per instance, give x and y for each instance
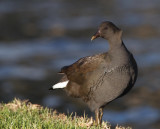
(59, 85)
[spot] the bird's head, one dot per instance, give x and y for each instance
(107, 30)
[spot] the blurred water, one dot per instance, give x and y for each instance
(62, 53)
(135, 116)
(38, 38)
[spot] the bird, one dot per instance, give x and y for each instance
(101, 78)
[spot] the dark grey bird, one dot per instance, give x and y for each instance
(101, 78)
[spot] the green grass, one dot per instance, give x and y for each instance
(24, 115)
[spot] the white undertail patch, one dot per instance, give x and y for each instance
(60, 85)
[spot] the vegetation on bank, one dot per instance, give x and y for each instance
(25, 115)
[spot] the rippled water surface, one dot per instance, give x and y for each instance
(38, 38)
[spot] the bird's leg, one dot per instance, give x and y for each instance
(100, 115)
(97, 122)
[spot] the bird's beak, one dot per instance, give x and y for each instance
(96, 35)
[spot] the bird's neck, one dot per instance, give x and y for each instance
(118, 51)
(115, 43)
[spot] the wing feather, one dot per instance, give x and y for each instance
(78, 71)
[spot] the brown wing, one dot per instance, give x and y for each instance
(77, 72)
